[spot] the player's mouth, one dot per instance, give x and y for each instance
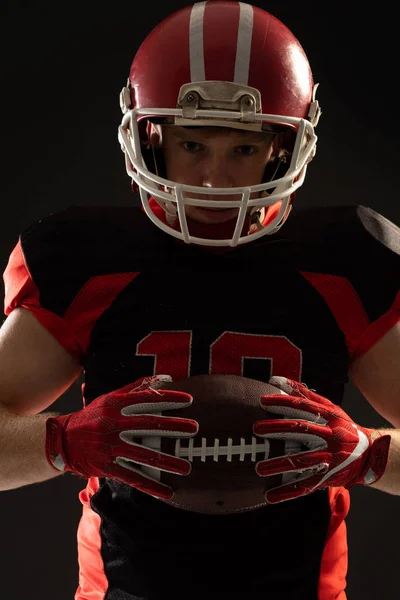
(218, 215)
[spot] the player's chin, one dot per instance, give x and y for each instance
(211, 216)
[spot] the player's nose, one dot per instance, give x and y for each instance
(216, 173)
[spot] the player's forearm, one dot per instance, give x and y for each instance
(22, 450)
(390, 480)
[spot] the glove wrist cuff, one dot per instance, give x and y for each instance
(378, 459)
(54, 443)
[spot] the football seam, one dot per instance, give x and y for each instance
(254, 448)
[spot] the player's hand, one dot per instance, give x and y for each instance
(104, 438)
(340, 453)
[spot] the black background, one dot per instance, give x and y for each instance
(62, 68)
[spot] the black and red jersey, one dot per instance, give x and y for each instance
(128, 300)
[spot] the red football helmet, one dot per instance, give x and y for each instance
(228, 64)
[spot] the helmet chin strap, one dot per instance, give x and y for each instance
(257, 216)
(170, 216)
(171, 213)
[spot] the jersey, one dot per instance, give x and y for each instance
(128, 301)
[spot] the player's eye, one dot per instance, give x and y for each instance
(246, 150)
(192, 146)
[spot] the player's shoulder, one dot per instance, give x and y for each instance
(90, 221)
(349, 231)
(88, 233)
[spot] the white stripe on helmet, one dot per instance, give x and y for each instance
(243, 48)
(196, 46)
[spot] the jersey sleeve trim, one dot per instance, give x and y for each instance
(73, 328)
(344, 304)
(349, 313)
(377, 330)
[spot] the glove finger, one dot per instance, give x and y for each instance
(150, 457)
(152, 401)
(143, 425)
(294, 408)
(310, 434)
(298, 408)
(145, 383)
(289, 491)
(290, 463)
(291, 387)
(295, 388)
(122, 471)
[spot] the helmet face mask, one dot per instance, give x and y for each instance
(221, 103)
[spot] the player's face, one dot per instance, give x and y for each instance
(215, 157)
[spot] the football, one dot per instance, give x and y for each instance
(224, 452)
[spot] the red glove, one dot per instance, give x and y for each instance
(103, 439)
(341, 452)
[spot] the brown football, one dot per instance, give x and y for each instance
(225, 451)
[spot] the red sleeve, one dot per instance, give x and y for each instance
(363, 294)
(20, 290)
(60, 271)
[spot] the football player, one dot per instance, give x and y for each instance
(217, 271)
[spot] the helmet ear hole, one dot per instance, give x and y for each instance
(284, 142)
(151, 146)
(153, 133)
(276, 168)
(283, 145)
